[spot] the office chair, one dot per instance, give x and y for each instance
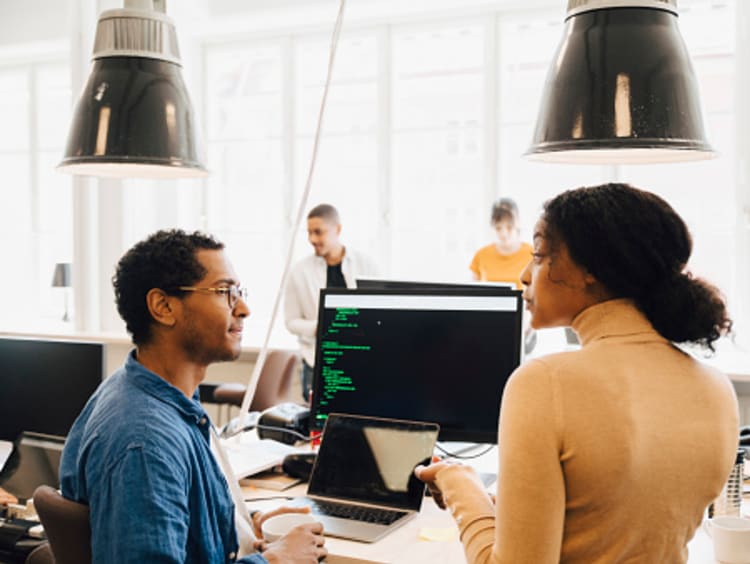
(66, 524)
(274, 384)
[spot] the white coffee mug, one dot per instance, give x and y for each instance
(279, 525)
(731, 537)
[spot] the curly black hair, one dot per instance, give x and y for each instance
(637, 246)
(165, 260)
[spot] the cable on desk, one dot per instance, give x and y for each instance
(270, 498)
(300, 436)
(463, 456)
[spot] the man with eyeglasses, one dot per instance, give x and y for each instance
(140, 453)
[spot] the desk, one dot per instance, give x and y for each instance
(401, 546)
(405, 545)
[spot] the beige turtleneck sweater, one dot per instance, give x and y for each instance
(607, 454)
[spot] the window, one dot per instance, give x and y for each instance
(246, 195)
(438, 149)
(35, 201)
(428, 117)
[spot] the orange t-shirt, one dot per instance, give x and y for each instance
(489, 265)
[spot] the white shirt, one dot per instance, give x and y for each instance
(306, 279)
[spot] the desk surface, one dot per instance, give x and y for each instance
(408, 545)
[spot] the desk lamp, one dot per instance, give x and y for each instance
(134, 117)
(621, 89)
(61, 278)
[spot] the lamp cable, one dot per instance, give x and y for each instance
(235, 426)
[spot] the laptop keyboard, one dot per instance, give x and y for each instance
(355, 512)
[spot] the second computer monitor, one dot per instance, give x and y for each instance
(440, 355)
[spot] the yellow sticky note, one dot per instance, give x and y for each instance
(437, 534)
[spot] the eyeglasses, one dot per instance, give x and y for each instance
(233, 293)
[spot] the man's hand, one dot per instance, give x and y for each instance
(6, 498)
(302, 545)
(260, 517)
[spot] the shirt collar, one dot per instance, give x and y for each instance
(618, 317)
(158, 387)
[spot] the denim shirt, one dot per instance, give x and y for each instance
(139, 456)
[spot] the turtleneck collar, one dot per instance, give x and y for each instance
(616, 317)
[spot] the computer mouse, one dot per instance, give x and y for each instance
(299, 464)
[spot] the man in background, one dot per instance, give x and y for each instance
(140, 454)
(332, 266)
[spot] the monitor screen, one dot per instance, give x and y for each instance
(45, 384)
(35, 461)
(435, 355)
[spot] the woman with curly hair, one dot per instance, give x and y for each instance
(610, 453)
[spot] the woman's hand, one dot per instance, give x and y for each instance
(259, 517)
(428, 474)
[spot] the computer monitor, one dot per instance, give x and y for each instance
(35, 461)
(44, 384)
(371, 283)
(435, 355)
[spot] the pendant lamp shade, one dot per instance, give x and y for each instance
(621, 89)
(134, 117)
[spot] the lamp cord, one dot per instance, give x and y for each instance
(255, 376)
(459, 456)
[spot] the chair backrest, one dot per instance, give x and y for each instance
(274, 384)
(42, 554)
(66, 524)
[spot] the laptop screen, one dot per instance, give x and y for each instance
(372, 460)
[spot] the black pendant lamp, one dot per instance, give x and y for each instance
(134, 117)
(621, 89)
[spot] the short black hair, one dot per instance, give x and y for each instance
(638, 247)
(504, 209)
(164, 260)
(326, 212)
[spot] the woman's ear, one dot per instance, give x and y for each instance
(160, 308)
(590, 279)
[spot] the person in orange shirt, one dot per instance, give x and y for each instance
(505, 259)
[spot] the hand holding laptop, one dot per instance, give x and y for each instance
(428, 474)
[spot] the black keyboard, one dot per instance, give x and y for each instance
(355, 512)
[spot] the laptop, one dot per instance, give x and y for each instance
(362, 485)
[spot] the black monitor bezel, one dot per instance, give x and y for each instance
(367, 283)
(99, 346)
(446, 432)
